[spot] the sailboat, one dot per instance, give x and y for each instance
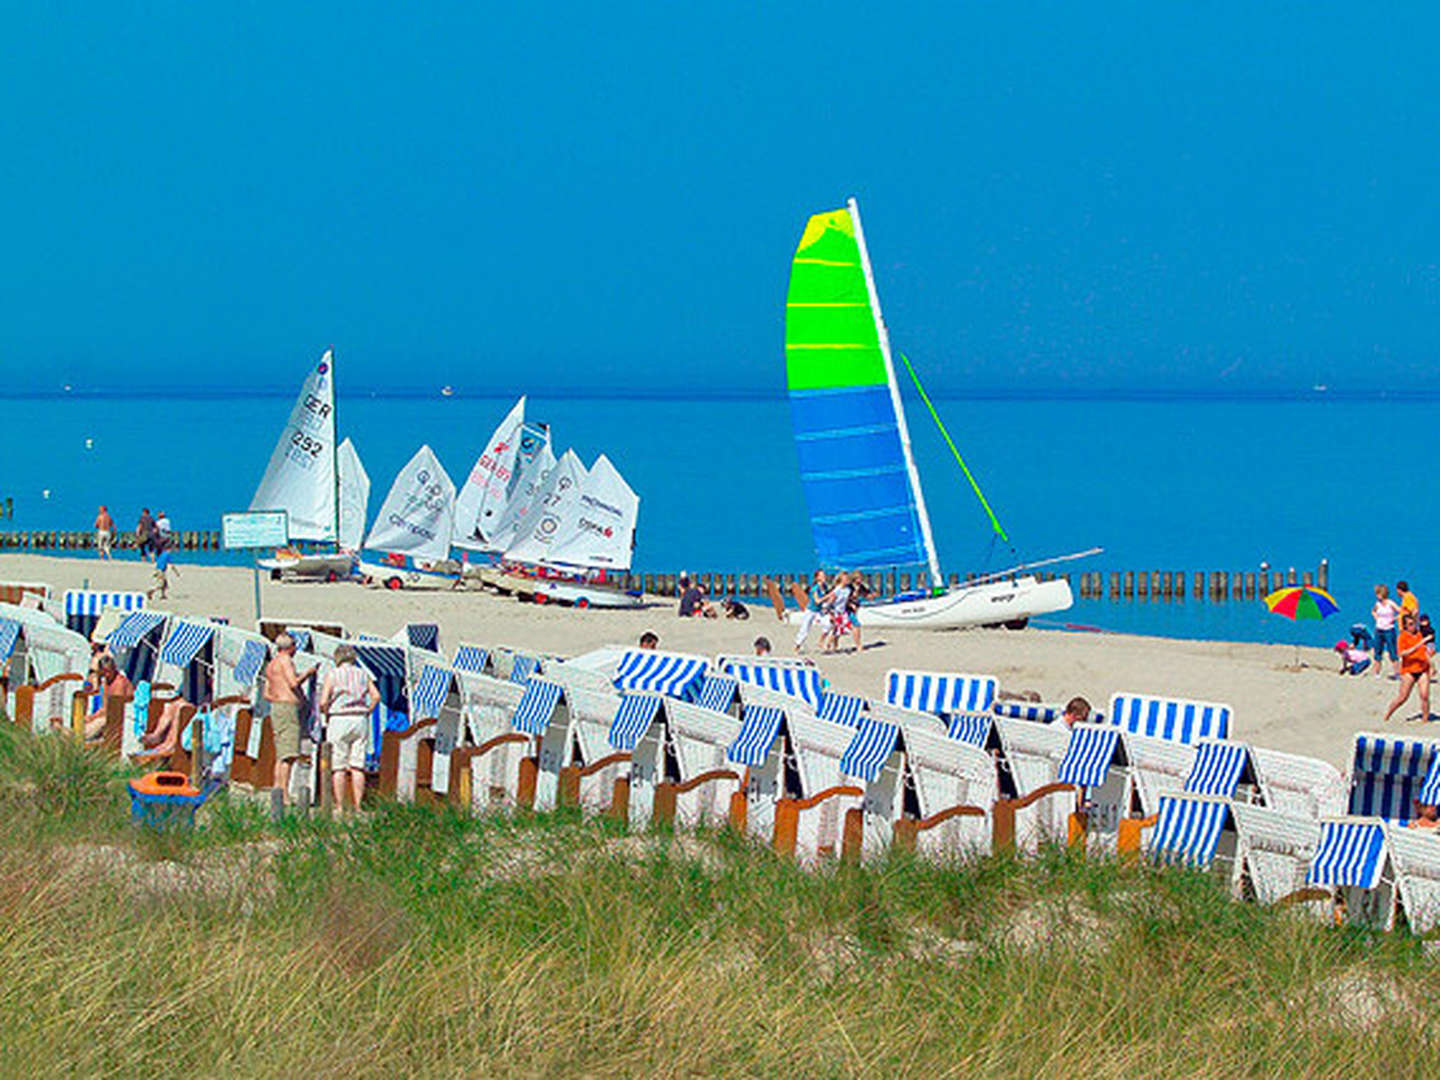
(857, 469)
(414, 527)
(578, 532)
(321, 486)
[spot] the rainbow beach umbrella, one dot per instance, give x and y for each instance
(1301, 602)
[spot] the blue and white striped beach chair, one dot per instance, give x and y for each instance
(939, 692)
(911, 769)
(38, 652)
(240, 658)
(805, 683)
(680, 747)
(1386, 775)
(83, 607)
(1194, 831)
(424, 636)
(1030, 756)
(1300, 786)
(572, 729)
(841, 708)
(720, 693)
(472, 659)
(1273, 851)
(1353, 862)
(495, 750)
(1123, 776)
(1039, 712)
(1177, 719)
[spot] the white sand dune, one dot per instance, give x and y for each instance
(1307, 710)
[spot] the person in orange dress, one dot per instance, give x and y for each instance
(1414, 668)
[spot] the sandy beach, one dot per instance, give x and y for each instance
(1308, 709)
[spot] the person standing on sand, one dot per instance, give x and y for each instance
(859, 590)
(161, 588)
(284, 690)
(145, 532)
(162, 531)
(104, 532)
(1385, 612)
(1414, 668)
(1408, 603)
(347, 697)
(819, 586)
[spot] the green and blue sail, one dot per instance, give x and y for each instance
(865, 510)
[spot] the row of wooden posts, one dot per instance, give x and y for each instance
(1215, 585)
(75, 540)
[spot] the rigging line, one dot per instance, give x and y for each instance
(994, 521)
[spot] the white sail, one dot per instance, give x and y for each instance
(300, 478)
(549, 514)
(418, 515)
(488, 488)
(354, 496)
(601, 533)
(537, 463)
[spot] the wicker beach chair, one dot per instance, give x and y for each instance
(678, 769)
(1177, 719)
(795, 680)
(939, 692)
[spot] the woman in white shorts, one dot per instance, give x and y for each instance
(347, 696)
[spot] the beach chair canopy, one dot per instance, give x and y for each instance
(1187, 830)
(842, 708)
(252, 658)
(969, 727)
(184, 641)
(9, 634)
(1218, 768)
(303, 640)
(1351, 852)
(472, 658)
(431, 688)
(1430, 787)
(759, 728)
(1170, 718)
(83, 606)
(672, 674)
(939, 692)
(532, 715)
(718, 692)
(1386, 775)
(382, 661)
(134, 627)
(423, 636)
(874, 742)
(1092, 749)
(523, 667)
(805, 683)
(633, 719)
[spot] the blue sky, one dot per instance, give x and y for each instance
(553, 197)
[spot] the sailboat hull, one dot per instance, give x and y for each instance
(323, 566)
(988, 604)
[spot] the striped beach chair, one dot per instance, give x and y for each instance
(805, 683)
(678, 768)
(939, 692)
(1353, 864)
(1122, 775)
(1274, 850)
(472, 659)
(425, 750)
(571, 727)
(1386, 775)
(1177, 719)
(83, 607)
(1195, 831)
(47, 664)
(1295, 785)
(841, 708)
(424, 636)
(676, 675)
(1037, 712)
(720, 693)
(1029, 761)
(915, 778)
(495, 750)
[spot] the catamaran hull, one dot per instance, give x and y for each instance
(990, 604)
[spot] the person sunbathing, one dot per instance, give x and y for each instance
(1077, 711)
(164, 739)
(111, 681)
(1426, 816)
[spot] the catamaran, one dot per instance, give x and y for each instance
(857, 469)
(413, 528)
(322, 486)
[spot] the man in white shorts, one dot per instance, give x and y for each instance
(347, 697)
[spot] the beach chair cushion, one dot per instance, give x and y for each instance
(939, 692)
(1170, 718)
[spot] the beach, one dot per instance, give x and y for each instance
(1305, 709)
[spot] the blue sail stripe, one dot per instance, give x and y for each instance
(842, 433)
(853, 474)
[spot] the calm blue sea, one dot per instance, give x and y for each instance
(1163, 484)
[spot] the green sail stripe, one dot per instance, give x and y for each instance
(830, 336)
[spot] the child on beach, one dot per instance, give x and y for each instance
(818, 587)
(1414, 668)
(1353, 659)
(161, 576)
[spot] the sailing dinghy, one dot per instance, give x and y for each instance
(317, 483)
(413, 529)
(867, 508)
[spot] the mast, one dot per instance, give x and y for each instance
(335, 443)
(936, 580)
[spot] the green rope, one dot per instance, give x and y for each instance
(951, 443)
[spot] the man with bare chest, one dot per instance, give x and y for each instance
(284, 690)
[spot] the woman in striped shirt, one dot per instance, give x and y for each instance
(347, 696)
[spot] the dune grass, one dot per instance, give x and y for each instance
(416, 940)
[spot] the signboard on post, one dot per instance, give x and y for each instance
(253, 530)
